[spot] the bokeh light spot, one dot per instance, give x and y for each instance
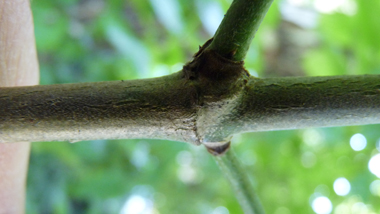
(312, 137)
(342, 209)
(359, 207)
(137, 205)
(375, 188)
(322, 205)
(184, 158)
(347, 7)
(358, 142)
(373, 165)
(308, 159)
(220, 210)
(342, 186)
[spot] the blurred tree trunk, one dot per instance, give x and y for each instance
(287, 45)
(18, 66)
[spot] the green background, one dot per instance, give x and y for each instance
(95, 40)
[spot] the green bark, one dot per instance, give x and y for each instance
(238, 28)
(159, 108)
(207, 102)
(299, 102)
(175, 108)
(240, 182)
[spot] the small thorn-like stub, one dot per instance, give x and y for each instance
(219, 150)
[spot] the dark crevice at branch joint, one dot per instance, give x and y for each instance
(209, 64)
(219, 150)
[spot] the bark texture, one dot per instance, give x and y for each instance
(238, 28)
(177, 108)
(168, 107)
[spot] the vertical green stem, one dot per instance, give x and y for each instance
(235, 33)
(240, 182)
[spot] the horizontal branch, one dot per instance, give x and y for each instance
(301, 102)
(158, 108)
(172, 107)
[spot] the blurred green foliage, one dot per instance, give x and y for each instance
(96, 40)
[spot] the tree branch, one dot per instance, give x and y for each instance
(158, 108)
(171, 107)
(239, 26)
(240, 182)
(299, 102)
